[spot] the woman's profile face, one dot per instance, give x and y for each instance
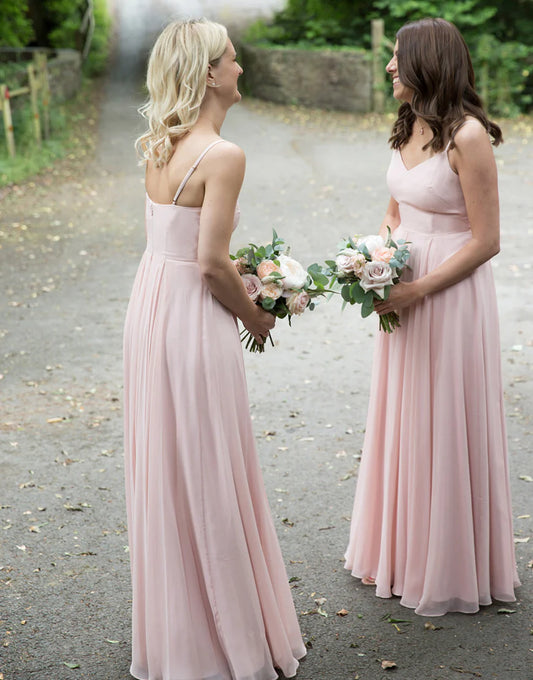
(226, 74)
(399, 90)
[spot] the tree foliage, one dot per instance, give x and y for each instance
(16, 28)
(57, 24)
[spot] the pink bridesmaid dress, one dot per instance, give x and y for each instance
(432, 518)
(211, 599)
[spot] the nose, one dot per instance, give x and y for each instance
(391, 66)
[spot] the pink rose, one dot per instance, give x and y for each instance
(383, 254)
(271, 290)
(350, 260)
(265, 268)
(344, 261)
(297, 303)
(253, 285)
(376, 275)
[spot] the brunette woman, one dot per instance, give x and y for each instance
(432, 516)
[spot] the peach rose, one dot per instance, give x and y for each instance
(383, 254)
(298, 302)
(271, 290)
(265, 268)
(358, 263)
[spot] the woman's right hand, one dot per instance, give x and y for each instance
(259, 324)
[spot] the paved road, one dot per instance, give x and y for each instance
(69, 252)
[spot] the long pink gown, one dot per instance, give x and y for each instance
(432, 516)
(211, 599)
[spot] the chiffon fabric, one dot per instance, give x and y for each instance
(211, 599)
(432, 516)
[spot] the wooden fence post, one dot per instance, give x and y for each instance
(41, 64)
(378, 74)
(8, 121)
(34, 103)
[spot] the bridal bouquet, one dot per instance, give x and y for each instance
(367, 268)
(277, 282)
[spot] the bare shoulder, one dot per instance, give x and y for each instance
(227, 154)
(471, 136)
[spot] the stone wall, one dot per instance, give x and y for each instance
(64, 70)
(325, 79)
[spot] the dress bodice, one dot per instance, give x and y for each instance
(172, 230)
(429, 195)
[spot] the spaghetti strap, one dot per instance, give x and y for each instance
(193, 168)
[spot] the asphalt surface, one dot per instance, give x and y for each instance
(69, 252)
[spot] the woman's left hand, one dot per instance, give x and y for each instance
(401, 296)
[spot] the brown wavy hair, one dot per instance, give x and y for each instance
(433, 60)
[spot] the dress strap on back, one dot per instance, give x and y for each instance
(193, 168)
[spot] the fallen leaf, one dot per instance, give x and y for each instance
(287, 522)
(389, 619)
(320, 601)
(54, 420)
(462, 670)
(72, 508)
(343, 612)
(34, 529)
(113, 642)
(388, 665)
(431, 626)
(525, 478)
(71, 665)
(522, 540)
(504, 610)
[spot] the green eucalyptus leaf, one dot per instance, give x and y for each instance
(268, 304)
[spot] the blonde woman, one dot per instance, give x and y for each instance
(210, 594)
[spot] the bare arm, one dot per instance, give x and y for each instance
(474, 162)
(224, 174)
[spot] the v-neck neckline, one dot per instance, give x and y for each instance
(421, 162)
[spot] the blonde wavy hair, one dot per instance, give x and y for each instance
(176, 82)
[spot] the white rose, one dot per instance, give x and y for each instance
(375, 276)
(371, 242)
(294, 275)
